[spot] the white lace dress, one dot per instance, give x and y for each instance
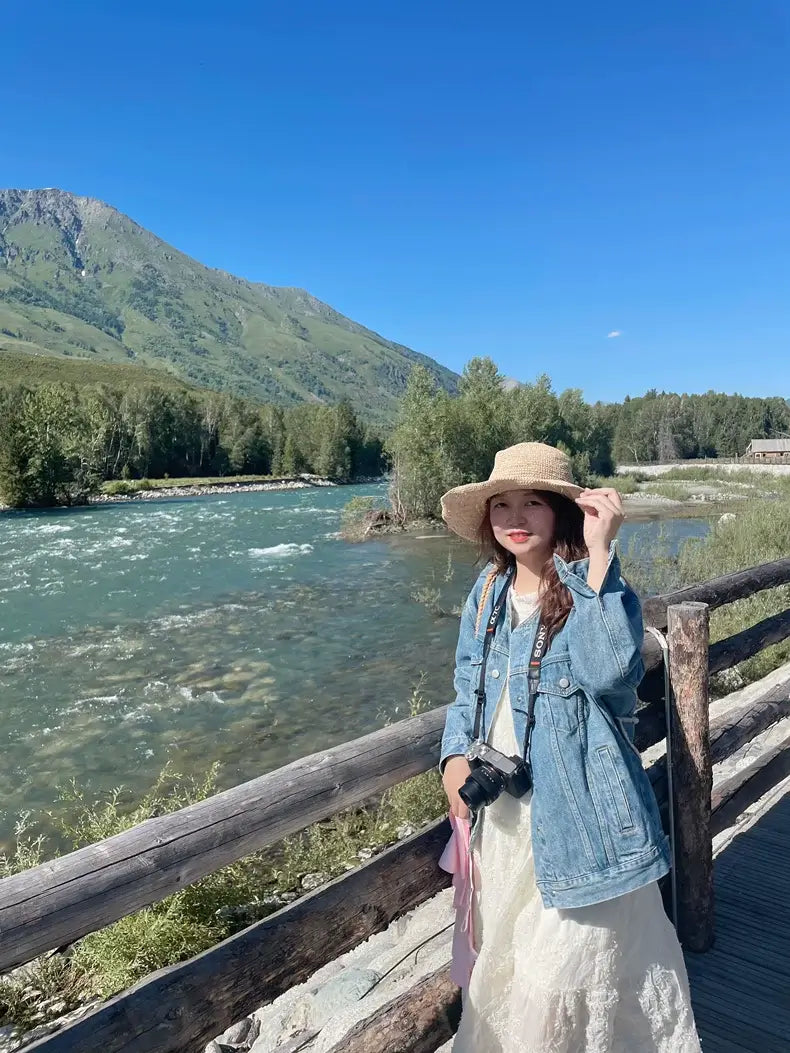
(607, 978)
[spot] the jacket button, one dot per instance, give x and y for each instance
(565, 682)
(495, 674)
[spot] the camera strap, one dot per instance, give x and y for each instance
(533, 679)
(488, 639)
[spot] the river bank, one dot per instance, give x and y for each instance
(198, 489)
(641, 507)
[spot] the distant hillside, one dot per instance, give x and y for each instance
(78, 278)
(32, 369)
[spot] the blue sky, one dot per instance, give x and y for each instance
(510, 179)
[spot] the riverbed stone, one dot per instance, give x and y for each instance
(313, 881)
(238, 1037)
(9, 1038)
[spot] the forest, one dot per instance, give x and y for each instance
(59, 442)
(440, 441)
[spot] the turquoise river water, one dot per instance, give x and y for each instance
(236, 628)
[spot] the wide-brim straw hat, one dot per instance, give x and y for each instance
(526, 466)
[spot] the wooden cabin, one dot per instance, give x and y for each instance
(769, 449)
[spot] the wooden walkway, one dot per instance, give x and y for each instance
(741, 988)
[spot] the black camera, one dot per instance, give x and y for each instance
(493, 772)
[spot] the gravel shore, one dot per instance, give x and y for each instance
(168, 492)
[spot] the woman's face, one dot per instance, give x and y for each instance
(523, 523)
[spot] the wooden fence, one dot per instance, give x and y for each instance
(183, 1007)
(745, 459)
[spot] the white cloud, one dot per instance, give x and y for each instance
(613, 334)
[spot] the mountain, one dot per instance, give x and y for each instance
(78, 278)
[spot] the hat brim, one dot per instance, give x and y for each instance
(463, 507)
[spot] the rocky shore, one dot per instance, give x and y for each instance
(159, 493)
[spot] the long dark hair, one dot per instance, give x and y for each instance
(568, 542)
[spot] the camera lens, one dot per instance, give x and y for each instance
(482, 787)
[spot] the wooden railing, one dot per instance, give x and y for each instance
(182, 1007)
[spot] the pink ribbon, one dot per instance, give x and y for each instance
(456, 859)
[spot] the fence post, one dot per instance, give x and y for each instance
(688, 638)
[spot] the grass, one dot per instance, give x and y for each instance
(624, 484)
(744, 476)
(42, 368)
(758, 533)
(674, 483)
(674, 491)
(698, 473)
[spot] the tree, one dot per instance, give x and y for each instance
(292, 460)
(421, 461)
(43, 439)
(477, 421)
(534, 413)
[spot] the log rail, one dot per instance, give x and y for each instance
(181, 1008)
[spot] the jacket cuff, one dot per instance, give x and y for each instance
(574, 574)
(455, 748)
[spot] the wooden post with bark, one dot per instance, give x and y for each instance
(692, 773)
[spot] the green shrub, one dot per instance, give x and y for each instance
(354, 518)
(696, 473)
(43, 990)
(760, 533)
(674, 491)
(119, 487)
(624, 484)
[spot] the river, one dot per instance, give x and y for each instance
(237, 628)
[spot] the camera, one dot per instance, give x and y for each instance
(493, 772)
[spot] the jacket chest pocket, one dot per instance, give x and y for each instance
(561, 693)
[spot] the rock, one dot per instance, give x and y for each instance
(348, 986)
(315, 1015)
(238, 1038)
(9, 1038)
(237, 1033)
(304, 1015)
(727, 517)
(246, 913)
(313, 881)
(729, 679)
(54, 1025)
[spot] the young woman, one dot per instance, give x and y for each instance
(575, 951)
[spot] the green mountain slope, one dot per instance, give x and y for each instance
(78, 278)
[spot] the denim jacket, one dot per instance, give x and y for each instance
(596, 827)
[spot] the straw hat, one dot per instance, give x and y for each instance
(527, 466)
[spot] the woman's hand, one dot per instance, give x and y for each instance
(456, 771)
(603, 517)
